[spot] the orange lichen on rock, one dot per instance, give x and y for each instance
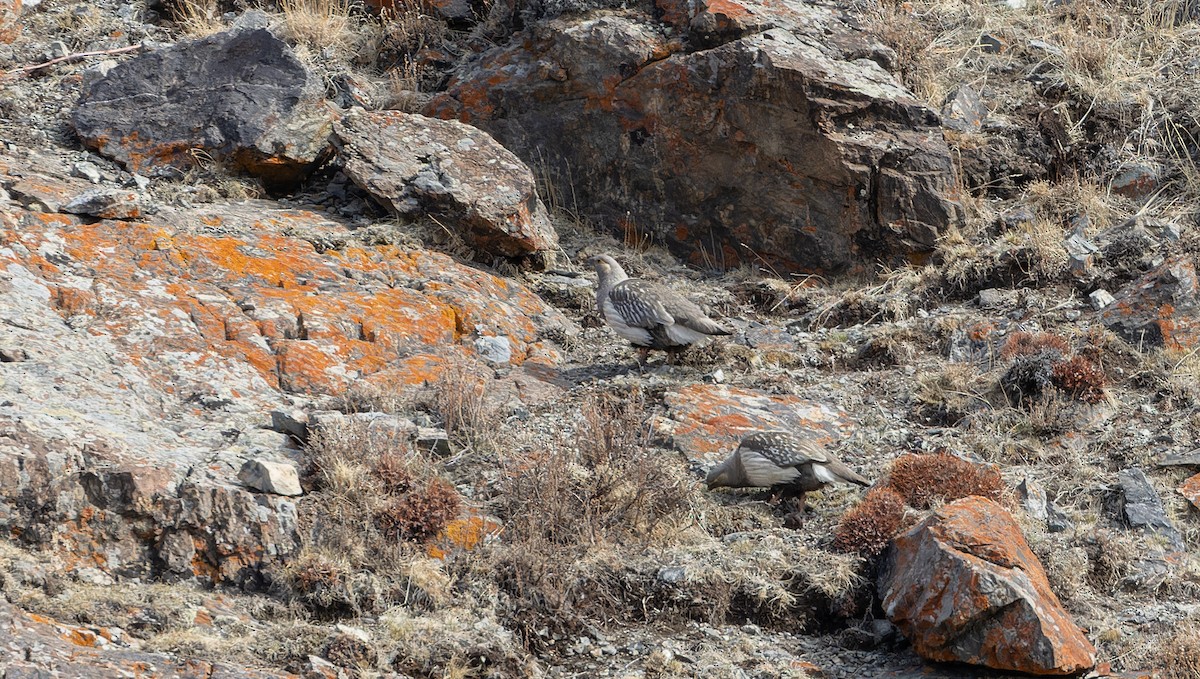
(463, 535)
(709, 420)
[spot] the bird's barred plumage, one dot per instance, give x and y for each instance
(782, 461)
(649, 315)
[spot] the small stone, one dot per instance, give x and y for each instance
(291, 422)
(1100, 299)
(672, 574)
(106, 204)
(991, 44)
(1144, 510)
(12, 355)
(1136, 180)
(434, 440)
(87, 170)
(280, 478)
(996, 298)
(1033, 499)
(58, 49)
(964, 110)
(355, 632)
(141, 182)
(715, 377)
(494, 350)
(1056, 520)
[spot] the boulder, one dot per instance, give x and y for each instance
(1160, 309)
(278, 478)
(732, 132)
(1144, 511)
(963, 586)
(106, 204)
(10, 12)
(240, 96)
(169, 343)
(419, 166)
(707, 421)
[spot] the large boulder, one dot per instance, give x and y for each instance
(1160, 309)
(420, 167)
(142, 362)
(240, 96)
(768, 133)
(963, 586)
(10, 12)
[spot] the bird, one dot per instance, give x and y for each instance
(787, 464)
(649, 315)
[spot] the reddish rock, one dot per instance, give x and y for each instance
(707, 420)
(1160, 309)
(767, 132)
(964, 586)
(421, 167)
(10, 12)
(1190, 489)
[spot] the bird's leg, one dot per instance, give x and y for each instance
(795, 516)
(643, 357)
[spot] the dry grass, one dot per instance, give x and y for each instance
(197, 18)
(320, 26)
(1178, 656)
(459, 398)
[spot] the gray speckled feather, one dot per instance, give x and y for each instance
(780, 460)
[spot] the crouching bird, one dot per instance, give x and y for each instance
(649, 315)
(789, 465)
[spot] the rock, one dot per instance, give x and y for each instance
(293, 421)
(494, 350)
(707, 421)
(1190, 489)
(992, 44)
(106, 204)
(744, 132)
(1056, 520)
(10, 27)
(964, 110)
(87, 171)
(36, 643)
(963, 586)
(1033, 499)
(280, 478)
(1188, 459)
(434, 440)
(1143, 508)
(12, 355)
(1099, 299)
(996, 298)
(262, 110)
(419, 166)
(1160, 309)
(1136, 180)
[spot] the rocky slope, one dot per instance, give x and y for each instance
(292, 388)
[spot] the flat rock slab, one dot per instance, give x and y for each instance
(732, 132)
(10, 12)
(707, 421)
(419, 166)
(37, 646)
(1144, 509)
(963, 586)
(1160, 309)
(240, 96)
(278, 478)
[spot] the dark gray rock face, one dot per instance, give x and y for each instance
(769, 133)
(240, 96)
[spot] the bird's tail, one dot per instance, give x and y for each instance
(709, 327)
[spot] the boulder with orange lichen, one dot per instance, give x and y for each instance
(1160, 309)
(732, 132)
(706, 421)
(167, 345)
(423, 167)
(10, 12)
(964, 586)
(240, 96)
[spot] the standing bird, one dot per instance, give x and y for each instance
(788, 465)
(649, 315)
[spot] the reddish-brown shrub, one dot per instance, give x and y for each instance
(1026, 343)
(869, 525)
(923, 479)
(392, 471)
(1080, 378)
(420, 514)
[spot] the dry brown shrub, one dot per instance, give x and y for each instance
(1027, 344)
(869, 526)
(391, 468)
(1080, 379)
(420, 515)
(459, 398)
(1178, 656)
(924, 480)
(347, 650)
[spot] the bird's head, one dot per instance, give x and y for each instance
(720, 476)
(603, 264)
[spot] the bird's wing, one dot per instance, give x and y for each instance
(762, 471)
(785, 450)
(640, 304)
(689, 314)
